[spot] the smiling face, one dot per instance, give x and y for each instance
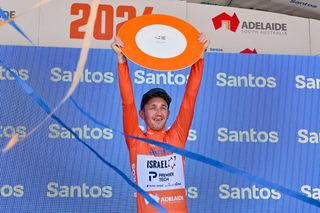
(155, 113)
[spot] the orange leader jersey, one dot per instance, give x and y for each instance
(158, 171)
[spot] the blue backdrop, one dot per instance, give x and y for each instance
(258, 113)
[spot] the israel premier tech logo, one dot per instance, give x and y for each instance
(161, 164)
(230, 23)
(233, 24)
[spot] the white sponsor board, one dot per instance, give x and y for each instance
(236, 30)
(160, 173)
(64, 22)
(28, 23)
(314, 37)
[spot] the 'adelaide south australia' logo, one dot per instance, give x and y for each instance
(257, 26)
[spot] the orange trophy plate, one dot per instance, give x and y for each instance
(160, 42)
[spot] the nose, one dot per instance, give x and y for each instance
(158, 112)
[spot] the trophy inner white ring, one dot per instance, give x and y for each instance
(161, 41)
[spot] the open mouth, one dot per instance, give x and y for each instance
(158, 120)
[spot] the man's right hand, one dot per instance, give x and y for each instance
(202, 39)
(116, 45)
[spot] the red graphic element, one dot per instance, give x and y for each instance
(248, 51)
(231, 23)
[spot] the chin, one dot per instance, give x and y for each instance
(158, 128)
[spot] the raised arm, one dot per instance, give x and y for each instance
(130, 116)
(183, 121)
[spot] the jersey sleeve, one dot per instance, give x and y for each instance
(129, 112)
(183, 121)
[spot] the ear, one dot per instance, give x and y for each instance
(168, 113)
(141, 113)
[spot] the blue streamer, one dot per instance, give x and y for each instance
(35, 97)
(210, 162)
(14, 25)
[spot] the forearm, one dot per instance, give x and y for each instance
(194, 79)
(129, 112)
(125, 83)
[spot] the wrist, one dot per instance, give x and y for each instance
(121, 58)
